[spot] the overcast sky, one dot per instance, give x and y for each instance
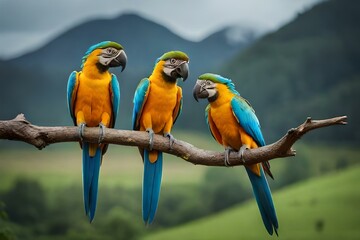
(28, 24)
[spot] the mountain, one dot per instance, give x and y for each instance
(309, 67)
(36, 82)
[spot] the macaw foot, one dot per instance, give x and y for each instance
(81, 131)
(171, 138)
(227, 154)
(241, 152)
(151, 136)
(102, 133)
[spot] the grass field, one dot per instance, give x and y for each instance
(323, 208)
(54, 168)
(60, 164)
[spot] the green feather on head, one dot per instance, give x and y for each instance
(173, 54)
(219, 79)
(100, 45)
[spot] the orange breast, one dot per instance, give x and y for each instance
(160, 105)
(93, 98)
(227, 125)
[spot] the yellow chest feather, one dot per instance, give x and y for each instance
(227, 125)
(93, 98)
(160, 105)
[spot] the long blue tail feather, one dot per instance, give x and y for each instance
(90, 170)
(264, 200)
(151, 186)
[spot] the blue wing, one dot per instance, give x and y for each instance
(246, 117)
(72, 86)
(140, 97)
(115, 98)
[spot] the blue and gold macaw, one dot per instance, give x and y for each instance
(157, 104)
(93, 96)
(233, 124)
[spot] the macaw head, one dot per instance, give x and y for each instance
(209, 85)
(174, 65)
(105, 55)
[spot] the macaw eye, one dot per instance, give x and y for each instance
(208, 82)
(173, 61)
(109, 51)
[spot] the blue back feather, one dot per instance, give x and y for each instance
(115, 98)
(71, 94)
(139, 101)
(246, 117)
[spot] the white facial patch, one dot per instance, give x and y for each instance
(108, 54)
(211, 92)
(168, 71)
(207, 85)
(171, 64)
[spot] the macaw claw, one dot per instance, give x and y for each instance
(81, 131)
(151, 136)
(241, 152)
(171, 138)
(102, 133)
(227, 154)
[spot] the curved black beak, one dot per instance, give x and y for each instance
(183, 70)
(199, 90)
(196, 91)
(120, 60)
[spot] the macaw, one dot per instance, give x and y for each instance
(93, 97)
(157, 105)
(234, 125)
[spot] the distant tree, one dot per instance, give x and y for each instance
(26, 202)
(223, 188)
(5, 231)
(179, 204)
(295, 169)
(120, 224)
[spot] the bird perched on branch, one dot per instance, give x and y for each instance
(234, 125)
(157, 104)
(93, 96)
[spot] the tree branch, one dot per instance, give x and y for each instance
(20, 129)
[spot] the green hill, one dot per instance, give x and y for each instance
(320, 208)
(309, 67)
